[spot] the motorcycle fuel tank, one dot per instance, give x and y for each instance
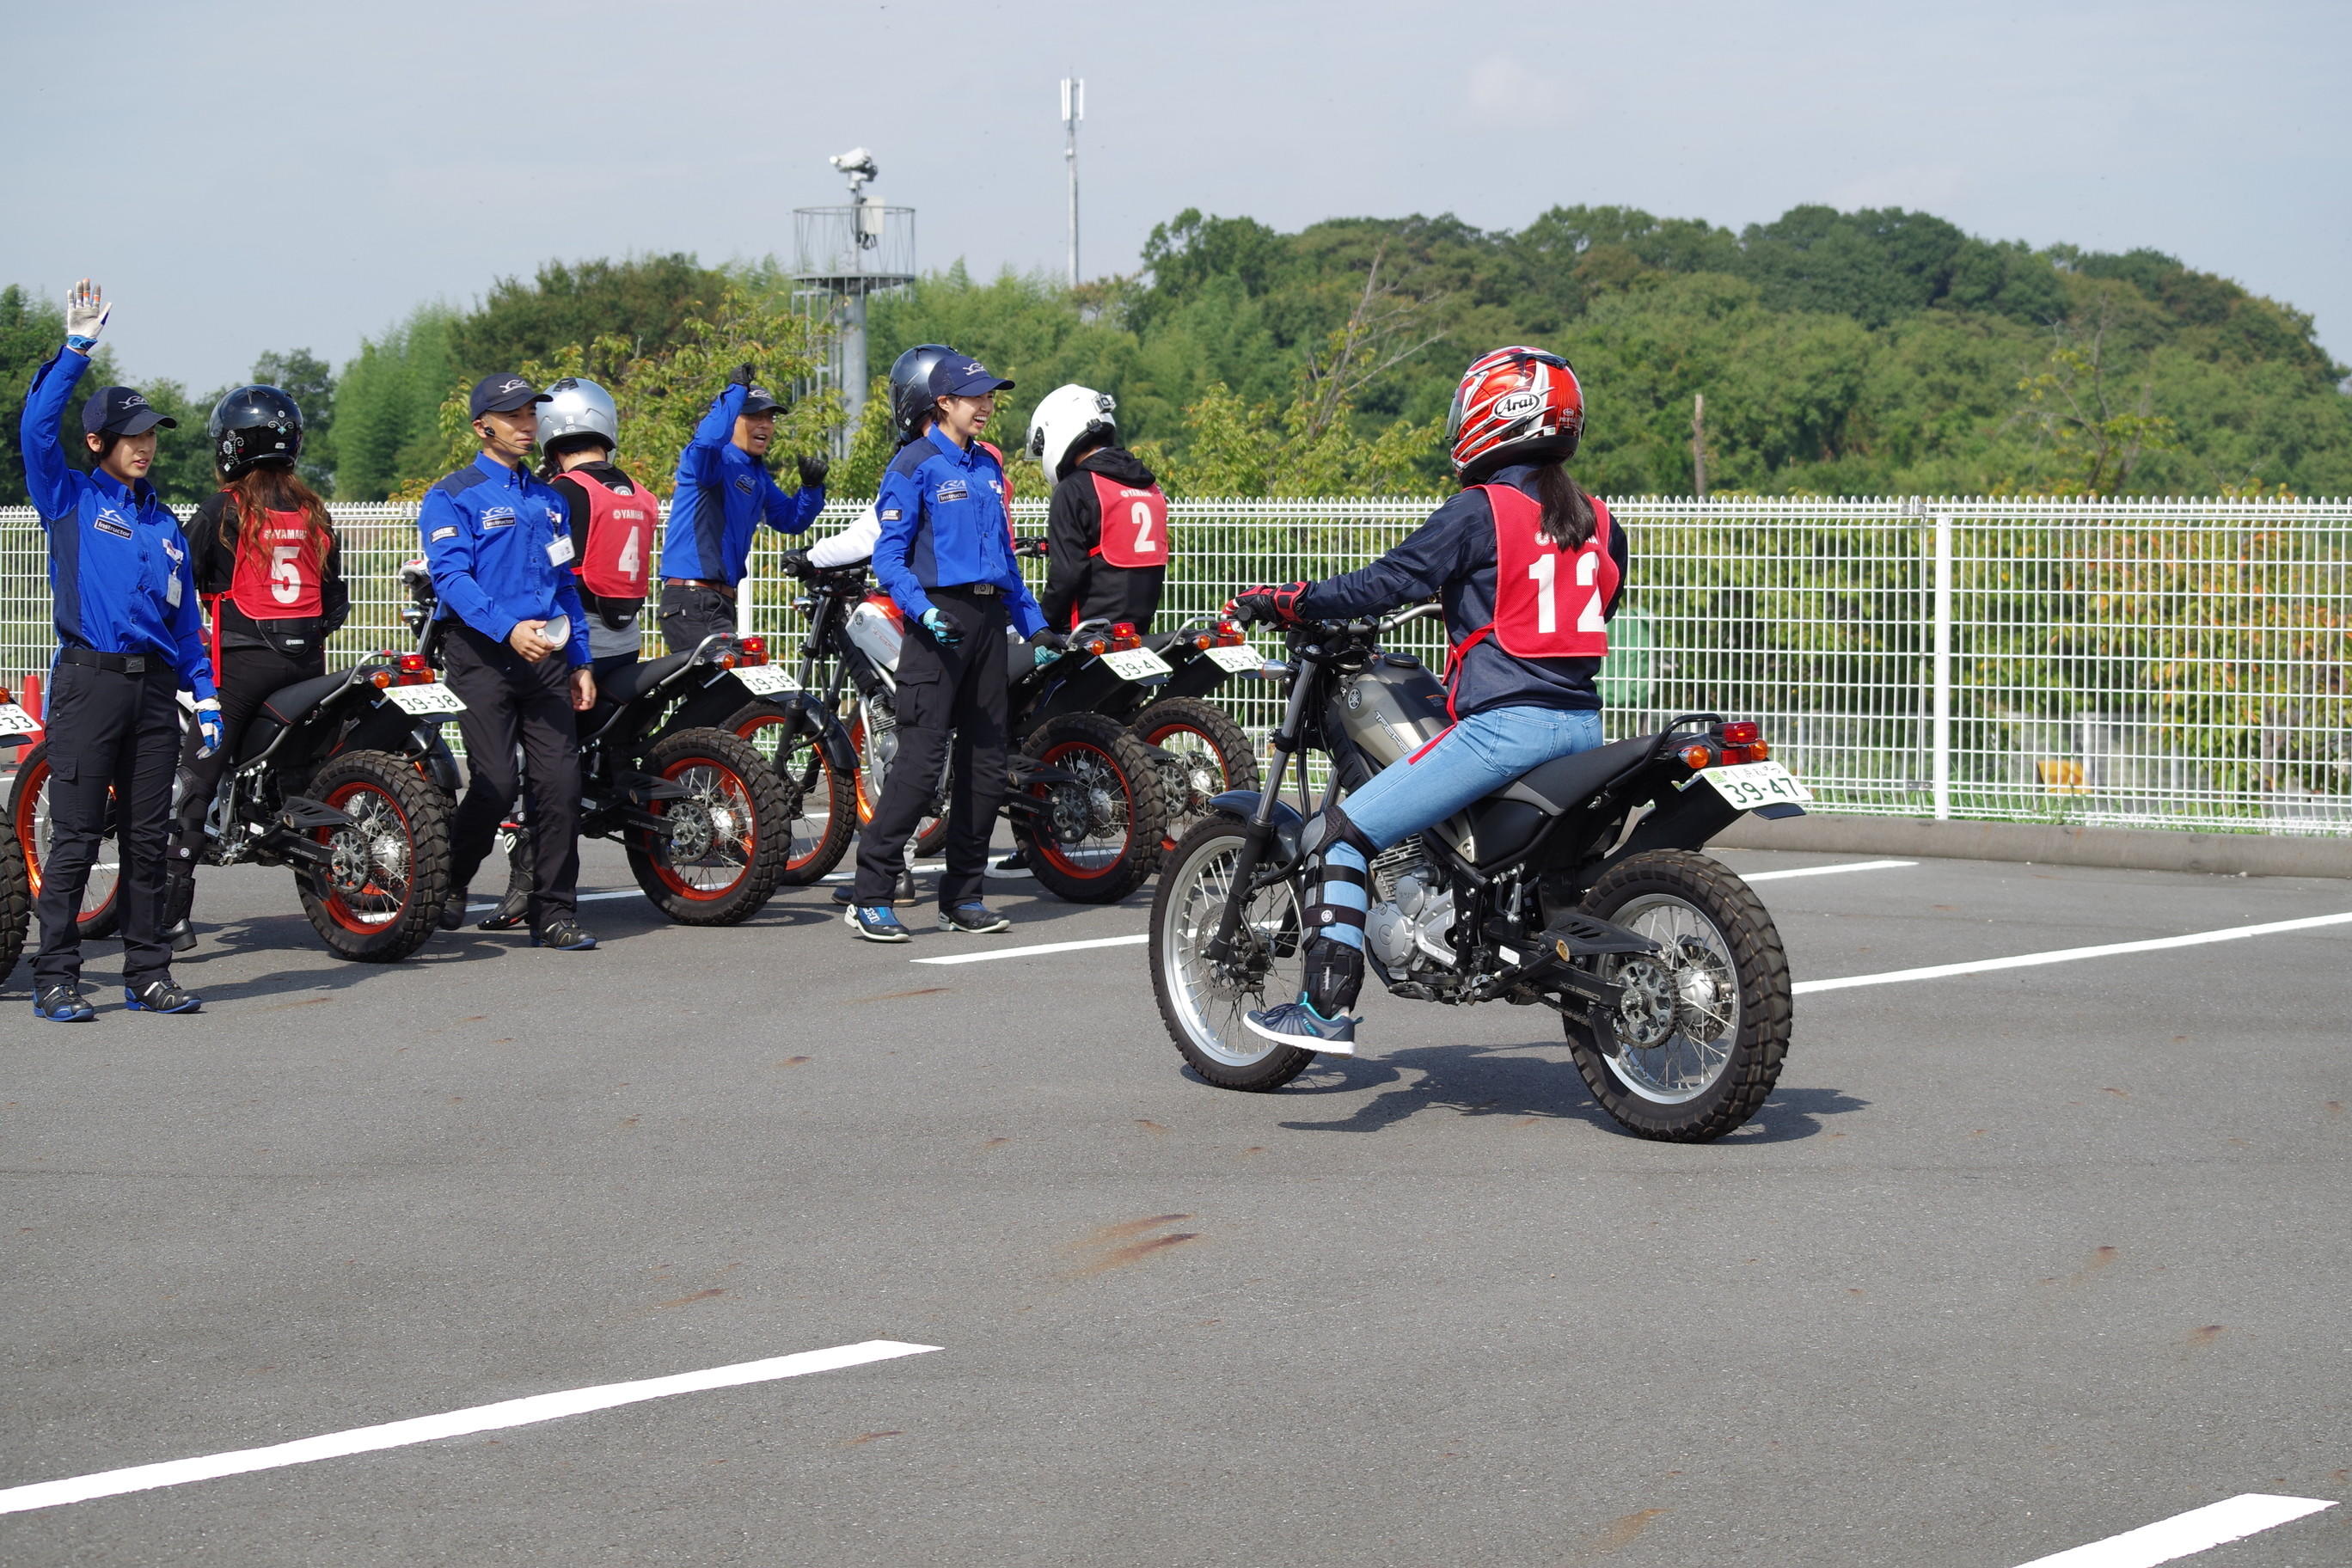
(876, 631)
(1392, 709)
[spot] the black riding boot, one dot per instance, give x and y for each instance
(515, 908)
(179, 900)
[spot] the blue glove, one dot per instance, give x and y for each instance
(942, 630)
(1043, 656)
(208, 721)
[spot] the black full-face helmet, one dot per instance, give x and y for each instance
(254, 425)
(910, 388)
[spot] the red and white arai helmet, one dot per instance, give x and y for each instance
(1515, 404)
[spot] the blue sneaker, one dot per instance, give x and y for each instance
(1298, 1024)
(563, 934)
(877, 922)
(974, 918)
(161, 996)
(62, 1005)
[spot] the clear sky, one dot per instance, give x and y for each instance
(245, 178)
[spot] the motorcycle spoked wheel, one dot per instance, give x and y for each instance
(827, 818)
(1202, 1003)
(1099, 839)
(718, 857)
(1215, 753)
(931, 831)
(28, 813)
(15, 904)
(379, 898)
(1697, 1045)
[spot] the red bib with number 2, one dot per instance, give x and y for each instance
(1134, 523)
(277, 576)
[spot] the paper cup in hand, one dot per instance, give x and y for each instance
(557, 631)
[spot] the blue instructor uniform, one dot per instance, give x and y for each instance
(498, 543)
(946, 546)
(130, 634)
(723, 494)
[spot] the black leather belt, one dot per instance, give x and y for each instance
(120, 663)
(968, 588)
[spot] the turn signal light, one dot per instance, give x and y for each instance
(727, 661)
(382, 679)
(1123, 635)
(5, 697)
(1202, 640)
(1096, 645)
(755, 651)
(1758, 752)
(1746, 732)
(1697, 757)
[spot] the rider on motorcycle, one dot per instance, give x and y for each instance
(1107, 530)
(269, 568)
(1529, 569)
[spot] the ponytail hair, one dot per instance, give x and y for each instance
(1568, 517)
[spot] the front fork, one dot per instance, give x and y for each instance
(1258, 831)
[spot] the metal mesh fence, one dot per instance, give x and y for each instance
(2173, 663)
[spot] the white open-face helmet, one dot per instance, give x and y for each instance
(1065, 417)
(575, 407)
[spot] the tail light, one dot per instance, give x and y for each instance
(1229, 634)
(415, 670)
(1123, 635)
(1744, 742)
(755, 651)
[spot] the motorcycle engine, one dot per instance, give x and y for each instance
(1408, 929)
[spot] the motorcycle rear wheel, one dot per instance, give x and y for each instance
(380, 900)
(931, 831)
(1215, 751)
(28, 815)
(718, 859)
(1698, 1045)
(1202, 1003)
(827, 818)
(1098, 839)
(15, 903)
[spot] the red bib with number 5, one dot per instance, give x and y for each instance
(620, 536)
(1548, 601)
(1134, 523)
(276, 575)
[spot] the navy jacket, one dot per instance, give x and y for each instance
(943, 525)
(119, 566)
(487, 530)
(1453, 556)
(723, 493)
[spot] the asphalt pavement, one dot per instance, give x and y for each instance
(2013, 1260)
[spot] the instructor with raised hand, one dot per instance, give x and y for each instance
(945, 556)
(498, 543)
(724, 492)
(130, 636)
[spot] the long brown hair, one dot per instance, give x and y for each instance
(265, 488)
(1568, 516)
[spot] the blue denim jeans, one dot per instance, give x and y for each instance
(1477, 756)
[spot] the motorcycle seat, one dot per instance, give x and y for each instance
(1556, 786)
(292, 704)
(632, 681)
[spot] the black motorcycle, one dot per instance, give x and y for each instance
(702, 817)
(343, 778)
(1578, 887)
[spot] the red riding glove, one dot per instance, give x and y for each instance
(1278, 606)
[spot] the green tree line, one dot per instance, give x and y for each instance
(1878, 351)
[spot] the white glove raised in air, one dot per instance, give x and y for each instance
(86, 313)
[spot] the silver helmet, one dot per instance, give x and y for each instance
(576, 406)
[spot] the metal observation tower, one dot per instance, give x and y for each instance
(840, 256)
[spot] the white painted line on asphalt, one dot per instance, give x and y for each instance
(918, 865)
(1040, 948)
(454, 1424)
(2068, 954)
(472, 904)
(1825, 871)
(2186, 1534)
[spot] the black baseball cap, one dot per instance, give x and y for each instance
(759, 400)
(957, 377)
(121, 411)
(503, 394)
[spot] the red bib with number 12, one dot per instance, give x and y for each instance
(1548, 601)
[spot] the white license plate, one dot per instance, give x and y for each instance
(1751, 785)
(433, 699)
(766, 679)
(1136, 664)
(15, 721)
(1242, 660)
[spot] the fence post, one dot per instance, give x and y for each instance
(1940, 735)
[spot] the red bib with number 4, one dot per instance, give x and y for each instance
(1134, 523)
(620, 532)
(276, 575)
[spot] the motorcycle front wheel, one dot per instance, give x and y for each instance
(1099, 836)
(28, 810)
(1204, 1002)
(379, 895)
(716, 859)
(1694, 1047)
(827, 818)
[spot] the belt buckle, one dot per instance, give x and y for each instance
(983, 588)
(134, 664)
